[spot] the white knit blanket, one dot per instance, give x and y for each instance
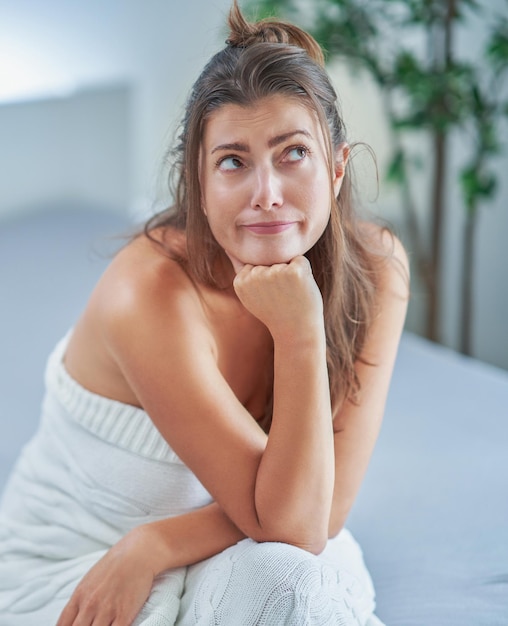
(97, 468)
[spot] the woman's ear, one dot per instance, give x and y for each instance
(341, 159)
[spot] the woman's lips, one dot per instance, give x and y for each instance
(268, 228)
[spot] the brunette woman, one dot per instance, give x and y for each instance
(209, 419)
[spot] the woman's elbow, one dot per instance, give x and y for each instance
(316, 547)
(337, 523)
(313, 542)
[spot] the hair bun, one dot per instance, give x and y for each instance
(244, 34)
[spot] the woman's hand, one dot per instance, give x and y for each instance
(285, 296)
(116, 588)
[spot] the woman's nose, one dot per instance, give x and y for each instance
(267, 191)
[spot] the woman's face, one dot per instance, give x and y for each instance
(265, 181)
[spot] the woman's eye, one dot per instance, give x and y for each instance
(297, 154)
(229, 163)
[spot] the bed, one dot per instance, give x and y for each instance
(432, 515)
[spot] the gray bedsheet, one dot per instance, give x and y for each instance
(432, 515)
(433, 512)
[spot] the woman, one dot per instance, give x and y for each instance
(210, 417)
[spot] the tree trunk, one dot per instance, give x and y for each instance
(437, 211)
(467, 288)
(443, 44)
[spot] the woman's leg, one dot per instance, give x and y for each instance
(270, 584)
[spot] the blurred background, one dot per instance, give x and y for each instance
(91, 95)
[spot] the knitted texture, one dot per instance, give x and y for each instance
(97, 468)
(270, 584)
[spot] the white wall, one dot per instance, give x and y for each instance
(156, 48)
(66, 151)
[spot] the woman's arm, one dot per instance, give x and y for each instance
(188, 538)
(294, 481)
(115, 589)
(155, 330)
(121, 582)
(357, 425)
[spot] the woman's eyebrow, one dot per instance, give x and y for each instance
(274, 141)
(235, 147)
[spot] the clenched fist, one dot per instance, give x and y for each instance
(285, 296)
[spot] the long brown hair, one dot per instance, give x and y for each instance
(262, 59)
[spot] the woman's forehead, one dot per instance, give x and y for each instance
(269, 119)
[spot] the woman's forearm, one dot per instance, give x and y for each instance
(294, 478)
(295, 481)
(188, 538)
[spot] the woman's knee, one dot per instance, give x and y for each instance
(296, 585)
(270, 584)
(275, 564)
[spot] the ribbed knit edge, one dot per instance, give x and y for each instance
(122, 425)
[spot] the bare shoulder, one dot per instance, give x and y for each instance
(145, 289)
(391, 265)
(142, 273)
(143, 300)
(391, 260)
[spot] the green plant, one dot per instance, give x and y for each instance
(408, 48)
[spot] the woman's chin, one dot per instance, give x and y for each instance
(270, 257)
(268, 260)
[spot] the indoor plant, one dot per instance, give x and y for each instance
(409, 48)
